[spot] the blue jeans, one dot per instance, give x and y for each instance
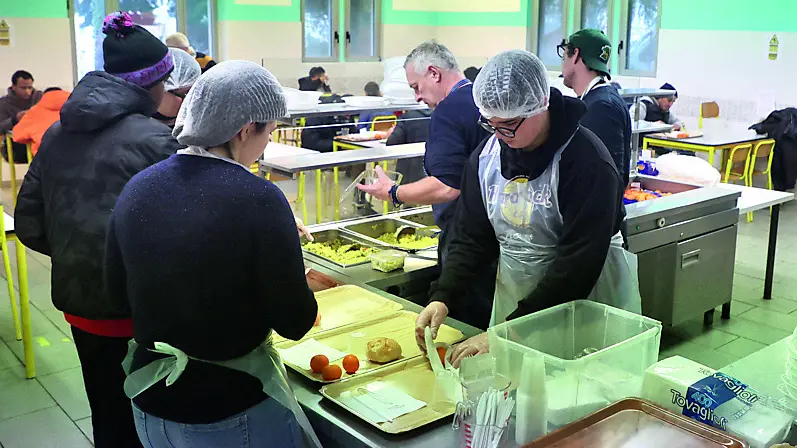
(267, 424)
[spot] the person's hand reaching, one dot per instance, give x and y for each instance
(432, 316)
(470, 347)
(300, 227)
(21, 114)
(381, 189)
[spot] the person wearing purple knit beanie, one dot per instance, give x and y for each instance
(105, 137)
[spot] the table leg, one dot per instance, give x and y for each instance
(385, 205)
(708, 318)
(711, 156)
(773, 239)
(336, 186)
(24, 306)
(301, 196)
(319, 200)
(726, 311)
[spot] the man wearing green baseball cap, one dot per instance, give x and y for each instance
(585, 69)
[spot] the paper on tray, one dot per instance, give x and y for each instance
(381, 405)
(301, 354)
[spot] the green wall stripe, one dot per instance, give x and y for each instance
(615, 37)
(730, 15)
(229, 10)
(34, 9)
(429, 18)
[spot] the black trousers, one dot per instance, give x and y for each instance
(20, 152)
(111, 411)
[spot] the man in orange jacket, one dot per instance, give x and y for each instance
(34, 124)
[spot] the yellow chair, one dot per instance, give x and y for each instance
(22, 327)
(12, 166)
(763, 150)
(383, 122)
(707, 110)
(738, 167)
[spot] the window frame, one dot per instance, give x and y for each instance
(578, 6)
(334, 30)
(182, 26)
(623, 53)
(377, 56)
(533, 32)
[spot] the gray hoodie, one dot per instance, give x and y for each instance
(11, 105)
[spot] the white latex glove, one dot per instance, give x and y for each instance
(432, 316)
(470, 347)
(302, 229)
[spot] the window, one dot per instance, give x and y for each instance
(320, 41)
(159, 17)
(640, 37)
(322, 30)
(596, 14)
(551, 19)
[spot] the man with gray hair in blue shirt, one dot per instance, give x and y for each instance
(454, 132)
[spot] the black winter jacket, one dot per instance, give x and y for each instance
(104, 138)
(782, 126)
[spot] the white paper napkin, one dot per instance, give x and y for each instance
(380, 406)
(301, 354)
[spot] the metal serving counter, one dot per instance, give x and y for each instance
(686, 244)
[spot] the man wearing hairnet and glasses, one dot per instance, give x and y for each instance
(544, 197)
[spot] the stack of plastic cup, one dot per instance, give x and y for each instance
(789, 379)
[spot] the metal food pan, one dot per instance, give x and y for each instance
(425, 219)
(323, 236)
(372, 230)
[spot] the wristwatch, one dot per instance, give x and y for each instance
(394, 195)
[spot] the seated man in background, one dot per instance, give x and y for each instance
(21, 97)
(34, 124)
(318, 81)
(180, 41)
(658, 109)
(319, 132)
(371, 89)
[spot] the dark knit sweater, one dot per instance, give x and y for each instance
(209, 259)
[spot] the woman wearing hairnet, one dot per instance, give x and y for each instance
(208, 258)
(186, 72)
(542, 195)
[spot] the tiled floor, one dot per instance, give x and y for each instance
(52, 410)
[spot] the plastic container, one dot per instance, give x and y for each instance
(387, 260)
(635, 423)
(490, 433)
(594, 355)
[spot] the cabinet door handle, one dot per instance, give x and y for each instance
(690, 259)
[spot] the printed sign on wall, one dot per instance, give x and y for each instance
(773, 48)
(5, 33)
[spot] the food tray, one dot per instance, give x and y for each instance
(399, 326)
(370, 231)
(413, 377)
(318, 281)
(636, 423)
(425, 219)
(347, 305)
(333, 234)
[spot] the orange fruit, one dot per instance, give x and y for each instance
(317, 319)
(331, 372)
(441, 352)
(318, 362)
(351, 364)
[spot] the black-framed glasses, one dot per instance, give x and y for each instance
(561, 49)
(506, 132)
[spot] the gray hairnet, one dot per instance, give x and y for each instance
(513, 84)
(186, 70)
(226, 98)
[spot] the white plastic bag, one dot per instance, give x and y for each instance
(689, 169)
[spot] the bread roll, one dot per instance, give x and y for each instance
(383, 350)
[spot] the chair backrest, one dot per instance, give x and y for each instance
(709, 110)
(739, 153)
(383, 122)
(764, 149)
